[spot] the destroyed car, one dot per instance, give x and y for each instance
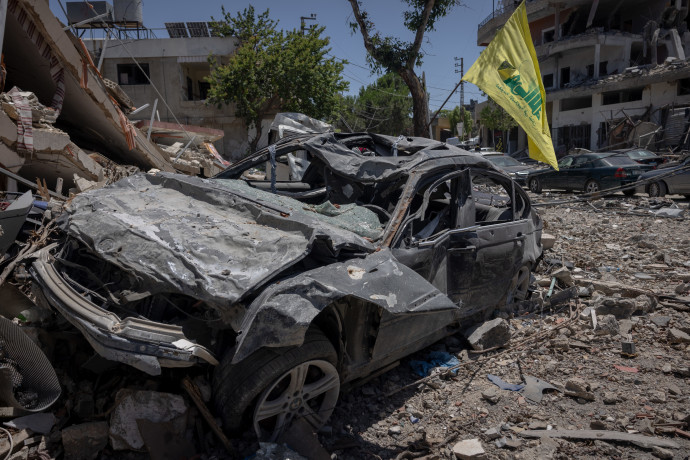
(368, 249)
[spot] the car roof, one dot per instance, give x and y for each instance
(338, 152)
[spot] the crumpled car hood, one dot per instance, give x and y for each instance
(197, 237)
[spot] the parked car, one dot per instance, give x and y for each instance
(643, 156)
(292, 288)
(672, 179)
(515, 169)
(590, 172)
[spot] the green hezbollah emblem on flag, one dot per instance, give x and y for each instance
(508, 71)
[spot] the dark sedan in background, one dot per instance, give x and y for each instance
(517, 170)
(673, 179)
(590, 172)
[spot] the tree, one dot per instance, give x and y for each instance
(384, 107)
(394, 55)
(494, 117)
(273, 69)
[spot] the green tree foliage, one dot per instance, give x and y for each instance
(495, 118)
(458, 115)
(384, 107)
(274, 70)
(391, 54)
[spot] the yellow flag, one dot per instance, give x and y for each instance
(508, 71)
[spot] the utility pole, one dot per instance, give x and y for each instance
(303, 27)
(461, 65)
(462, 87)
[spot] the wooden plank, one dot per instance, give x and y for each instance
(601, 435)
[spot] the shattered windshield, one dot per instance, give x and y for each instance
(352, 217)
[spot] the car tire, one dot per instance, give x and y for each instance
(592, 186)
(629, 192)
(656, 189)
(534, 185)
(274, 386)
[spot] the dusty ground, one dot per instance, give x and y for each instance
(611, 240)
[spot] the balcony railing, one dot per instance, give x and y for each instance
(502, 10)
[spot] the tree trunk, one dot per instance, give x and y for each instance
(420, 109)
(255, 141)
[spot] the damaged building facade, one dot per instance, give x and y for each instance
(615, 72)
(177, 67)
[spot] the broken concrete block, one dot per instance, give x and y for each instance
(563, 275)
(677, 336)
(547, 240)
(618, 307)
(8, 129)
(494, 333)
(148, 405)
(84, 441)
(52, 140)
(607, 325)
(469, 449)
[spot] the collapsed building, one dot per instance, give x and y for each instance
(616, 73)
(63, 123)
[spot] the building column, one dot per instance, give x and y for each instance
(627, 51)
(597, 58)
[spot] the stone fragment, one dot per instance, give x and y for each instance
(660, 452)
(491, 395)
(394, 430)
(84, 441)
(469, 449)
(610, 397)
(547, 240)
(492, 433)
(660, 320)
(677, 336)
(607, 325)
(148, 405)
(494, 333)
(656, 396)
(674, 389)
(618, 307)
(563, 275)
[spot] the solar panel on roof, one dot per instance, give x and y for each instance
(176, 29)
(197, 29)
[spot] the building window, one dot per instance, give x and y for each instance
(684, 87)
(603, 68)
(565, 76)
(548, 35)
(131, 74)
(575, 136)
(548, 80)
(576, 103)
(204, 86)
(619, 97)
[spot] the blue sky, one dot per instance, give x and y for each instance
(455, 35)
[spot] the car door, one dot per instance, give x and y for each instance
(579, 172)
(558, 179)
(494, 244)
(680, 181)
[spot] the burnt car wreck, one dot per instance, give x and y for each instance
(349, 253)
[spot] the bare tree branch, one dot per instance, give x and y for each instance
(419, 36)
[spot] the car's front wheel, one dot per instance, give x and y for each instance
(534, 185)
(273, 387)
(656, 189)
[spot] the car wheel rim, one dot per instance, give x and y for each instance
(534, 185)
(654, 190)
(308, 391)
(592, 187)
